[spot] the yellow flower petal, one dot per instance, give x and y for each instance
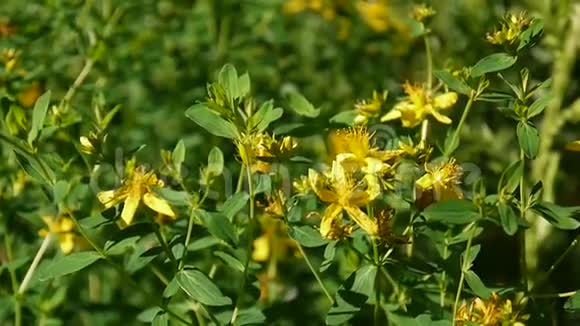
(445, 100)
(573, 146)
(109, 198)
(261, 250)
(330, 220)
(363, 220)
(425, 182)
(131, 204)
(157, 204)
(65, 225)
(317, 185)
(391, 115)
(440, 117)
(66, 241)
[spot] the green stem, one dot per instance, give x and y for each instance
(89, 63)
(181, 264)
(463, 270)
(164, 244)
(429, 58)
(455, 137)
(251, 224)
(541, 280)
(315, 273)
(377, 307)
(13, 281)
(34, 264)
(522, 236)
(240, 180)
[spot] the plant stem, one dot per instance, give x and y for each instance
(189, 230)
(541, 280)
(79, 80)
(455, 137)
(377, 307)
(251, 223)
(35, 262)
(13, 281)
(429, 58)
(463, 270)
(522, 236)
(164, 244)
(240, 180)
(315, 273)
(443, 284)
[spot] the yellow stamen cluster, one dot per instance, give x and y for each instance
(491, 312)
(419, 104)
(138, 185)
(441, 182)
(422, 12)
(260, 150)
(366, 110)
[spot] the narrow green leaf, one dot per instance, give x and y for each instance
(211, 121)
(307, 236)
(244, 85)
(476, 285)
(201, 288)
(471, 256)
(573, 303)
(161, 319)
(178, 154)
(510, 178)
(219, 226)
(509, 219)
(60, 191)
(265, 115)
(529, 139)
(492, 63)
(345, 117)
(228, 78)
(302, 106)
(230, 261)
(559, 216)
(69, 264)
(234, 204)
(451, 211)
(452, 82)
(539, 105)
(215, 161)
(38, 116)
(250, 316)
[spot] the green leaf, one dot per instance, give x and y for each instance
(230, 261)
(178, 155)
(454, 211)
(529, 139)
(211, 121)
(532, 33)
(345, 117)
(264, 116)
(470, 257)
(302, 106)
(307, 236)
(492, 63)
(560, 217)
(509, 219)
(228, 78)
(161, 319)
(215, 161)
(573, 303)
(219, 226)
(60, 191)
(476, 285)
(329, 253)
(539, 105)
(364, 281)
(38, 116)
(352, 295)
(244, 85)
(453, 83)
(510, 178)
(451, 143)
(234, 204)
(250, 316)
(201, 288)
(64, 265)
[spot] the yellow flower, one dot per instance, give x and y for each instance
(573, 146)
(63, 228)
(339, 189)
(301, 186)
(511, 27)
(422, 12)
(324, 8)
(440, 182)
(369, 109)
(138, 185)
(30, 94)
(259, 150)
(419, 104)
(376, 14)
(273, 243)
(491, 312)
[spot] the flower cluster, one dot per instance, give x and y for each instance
(511, 28)
(494, 311)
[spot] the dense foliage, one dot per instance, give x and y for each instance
(282, 162)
